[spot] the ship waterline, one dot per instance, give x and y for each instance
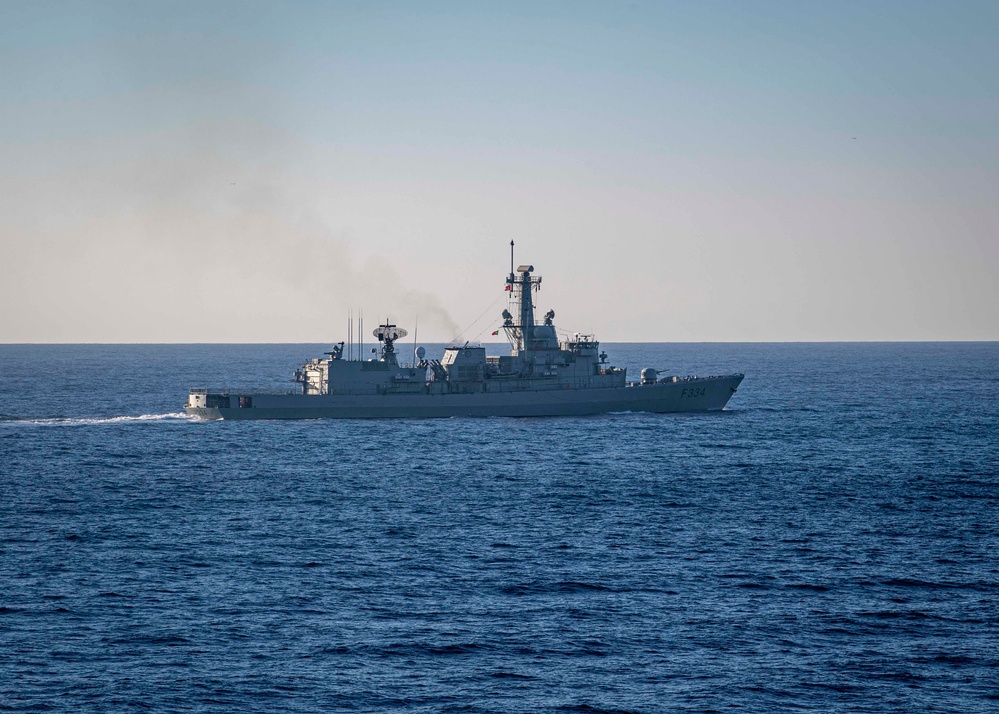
(542, 376)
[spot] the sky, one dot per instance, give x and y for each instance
(676, 171)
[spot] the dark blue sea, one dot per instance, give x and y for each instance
(827, 543)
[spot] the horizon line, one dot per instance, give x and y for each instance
(614, 342)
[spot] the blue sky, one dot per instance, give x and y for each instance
(677, 171)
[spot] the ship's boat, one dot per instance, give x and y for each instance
(542, 376)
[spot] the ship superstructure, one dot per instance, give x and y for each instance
(542, 376)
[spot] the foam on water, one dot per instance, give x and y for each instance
(91, 421)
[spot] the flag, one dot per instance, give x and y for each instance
(507, 287)
(495, 332)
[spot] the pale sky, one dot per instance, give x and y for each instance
(676, 171)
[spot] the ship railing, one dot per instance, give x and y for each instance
(693, 377)
(225, 391)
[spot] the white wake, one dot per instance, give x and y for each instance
(84, 421)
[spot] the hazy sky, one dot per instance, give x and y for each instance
(678, 171)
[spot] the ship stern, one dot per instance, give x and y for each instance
(202, 405)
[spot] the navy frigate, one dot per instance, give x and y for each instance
(542, 376)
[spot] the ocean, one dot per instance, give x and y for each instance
(826, 543)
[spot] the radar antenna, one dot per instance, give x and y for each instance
(387, 334)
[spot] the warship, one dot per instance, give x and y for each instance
(542, 376)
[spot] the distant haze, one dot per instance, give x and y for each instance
(688, 171)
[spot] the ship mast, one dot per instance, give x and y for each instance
(520, 283)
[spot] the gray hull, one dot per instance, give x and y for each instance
(691, 395)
